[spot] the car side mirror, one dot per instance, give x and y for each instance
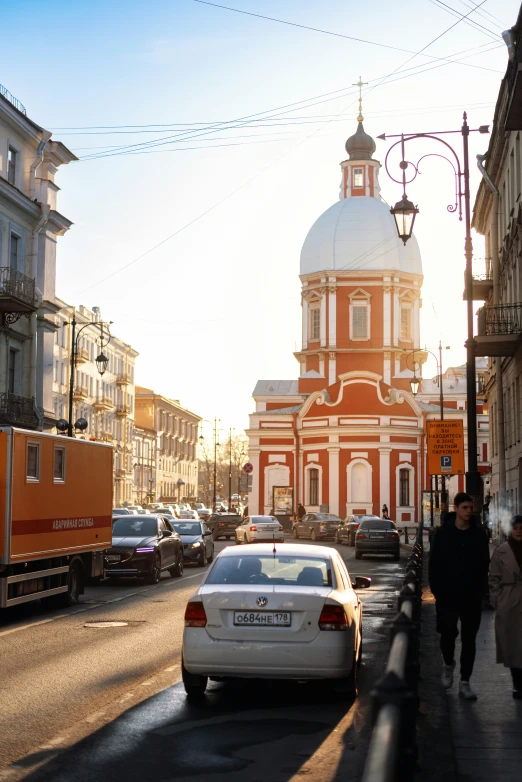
(361, 582)
(166, 533)
(207, 532)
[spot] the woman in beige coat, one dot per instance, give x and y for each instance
(505, 588)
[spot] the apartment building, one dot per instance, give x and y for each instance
(30, 225)
(498, 216)
(105, 401)
(176, 442)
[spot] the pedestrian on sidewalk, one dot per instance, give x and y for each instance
(458, 576)
(505, 593)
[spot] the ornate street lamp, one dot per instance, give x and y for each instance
(404, 213)
(102, 363)
(414, 383)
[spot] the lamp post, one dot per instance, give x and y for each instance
(201, 438)
(101, 361)
(404, 213)
(230, 468)
(414, 383)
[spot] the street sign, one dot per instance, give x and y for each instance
(246, 483)
(248, 468)
(445, 447)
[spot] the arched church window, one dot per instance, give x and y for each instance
(358, 180)
(315, 323)
(404, 487)
(313, 486)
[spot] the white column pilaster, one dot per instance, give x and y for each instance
(396, 317)
(321, 364)
(323, 321)
(333, 480)
(384, 478)
(332, 316)
(332, 368)
(387, 368)
(416, 324)
(386, 316)
(255, 501)
(305, 324)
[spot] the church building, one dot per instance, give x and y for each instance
(347, 434)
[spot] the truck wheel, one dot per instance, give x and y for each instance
(74, 581)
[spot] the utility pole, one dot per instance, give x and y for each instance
(230, 468)
(443, 495)
(215, 465)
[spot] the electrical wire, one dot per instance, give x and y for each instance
(471, 22)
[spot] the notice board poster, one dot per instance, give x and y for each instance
(445, 447)
(283, 500)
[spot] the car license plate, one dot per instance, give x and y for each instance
(263, 618)
(113, 558)
(374, 536)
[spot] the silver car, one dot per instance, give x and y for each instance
(377, 536)
(263, 529)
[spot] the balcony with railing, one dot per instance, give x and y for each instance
(4, 92)
(81, 393)
(123, 410)
(123, 379)
(81, 355)
(499, 330)
(103, 403)
(482, 279)
(17, 411)
(17, 292)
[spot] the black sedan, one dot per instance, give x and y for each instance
(198, 546)
(317, 526)
(144, 546)
(347, 529)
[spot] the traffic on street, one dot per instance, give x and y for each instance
(95, 691)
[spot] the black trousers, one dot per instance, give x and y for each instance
(451, 609)
(516, 675)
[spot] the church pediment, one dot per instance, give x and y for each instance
(360, 393)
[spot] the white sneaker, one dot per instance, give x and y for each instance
(447, 674)
(466, 692)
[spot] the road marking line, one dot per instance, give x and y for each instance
(33, 624)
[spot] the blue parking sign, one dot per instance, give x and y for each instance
(445, 464)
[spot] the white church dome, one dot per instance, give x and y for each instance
(358, 233)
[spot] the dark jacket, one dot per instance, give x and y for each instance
(459, 560)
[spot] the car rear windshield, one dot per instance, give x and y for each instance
(187, 529)
(376, 524)
(279, 569)
(134, 527)
(226, 519)
(326, 517)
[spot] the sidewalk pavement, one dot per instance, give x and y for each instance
(463, 741)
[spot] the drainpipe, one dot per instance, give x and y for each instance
(46, 135)
(498, 360)
(32, 268)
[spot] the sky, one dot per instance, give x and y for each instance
(191, 247)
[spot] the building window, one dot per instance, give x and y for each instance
(59, 464)
(14, 249)
(358, 180)
(33, 462)
(404, 487)
(315, 323)
(313, 486)
(12, 162)
(12, 367)
(360, 321)
(405, 323)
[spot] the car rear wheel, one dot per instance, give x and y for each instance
(338, 539)
(358, 555)
(177, 570)
(295, 533)
(347, 687)
(155, 574)
(314, 535)
(211, 557)
(238, 542)
(195, 685)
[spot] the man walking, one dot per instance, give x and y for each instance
(458, 576)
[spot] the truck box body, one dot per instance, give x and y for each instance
(55, 504)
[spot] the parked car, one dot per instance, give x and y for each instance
(144, 546)
(137, 508)
(223, 525)
(198, 545)
(120, 512)
(198, 506)
(317, 526)
(377, 536)
(204, 514)
(189, 514)
(254, 529)
(347, 529)
(265, 614)
(176, 509)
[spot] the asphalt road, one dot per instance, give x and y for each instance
(88, 703)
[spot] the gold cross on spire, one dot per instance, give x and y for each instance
(360, 84)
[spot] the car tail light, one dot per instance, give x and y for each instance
(221, 523)
(195, 615)
(333, 618)
(360, 535)
(253, 528)
(281, 529)
(392, 535)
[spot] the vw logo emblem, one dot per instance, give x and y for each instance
(262, 601)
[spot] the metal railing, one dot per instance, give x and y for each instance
(482, 269)
(17, 410)
(11, 98)
(392, 754)
(14, 283)
(500, 319)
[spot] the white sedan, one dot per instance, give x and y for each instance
(259, 528)
(189, 514)
(288, 613)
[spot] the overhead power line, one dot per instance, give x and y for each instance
(471, 22)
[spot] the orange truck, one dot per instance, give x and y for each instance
(55, 515)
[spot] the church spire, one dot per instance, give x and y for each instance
(360, 84)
